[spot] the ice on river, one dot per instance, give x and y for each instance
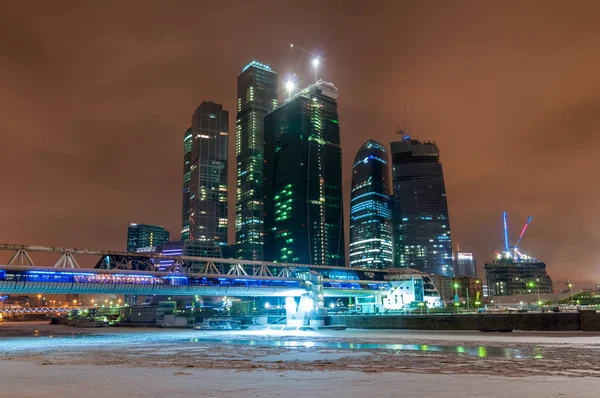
(181, 363)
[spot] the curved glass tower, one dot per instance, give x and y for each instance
(370, 214)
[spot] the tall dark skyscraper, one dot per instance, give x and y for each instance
(303, 179)
(187, 180)
(370, 213)
(465, 265)
(420, 211)
(257, 96)
(205, 179)
(145, 235)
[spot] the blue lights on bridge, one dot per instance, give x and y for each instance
(141, 279)
(18, 280)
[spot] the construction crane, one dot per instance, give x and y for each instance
(506, 245)
(515, 248)
(406, 129)
(316, 59)
(523, 232)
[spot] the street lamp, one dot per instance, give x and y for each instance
(571, 289)
(532, 285)
(39, 300)
(456, 285)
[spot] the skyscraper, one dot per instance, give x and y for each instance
(187, 180)
(370, 213)
(205, 178)
(145, 235)
(303, 179)
(465, 265)
(257, 96)
(420, 212)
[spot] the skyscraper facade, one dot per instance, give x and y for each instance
(187, 180)
(303, 179)
(370, 213)
(257, 96)
(205, 178)
(465, 265)
(145, 235)
(420, 211)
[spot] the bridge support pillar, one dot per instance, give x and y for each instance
(66, 261)
(21, 257)
(312, 305)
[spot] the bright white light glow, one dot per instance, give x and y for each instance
(307, 304)
(316, 62)
(267, 306)
(289, 86)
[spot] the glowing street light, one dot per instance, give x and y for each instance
(570, 285)
(532, 285)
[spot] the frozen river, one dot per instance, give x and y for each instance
(157, 362)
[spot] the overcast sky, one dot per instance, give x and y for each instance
(95, 98)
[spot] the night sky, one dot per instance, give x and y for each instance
(95, 99)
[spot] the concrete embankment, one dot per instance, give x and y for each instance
(571, 321)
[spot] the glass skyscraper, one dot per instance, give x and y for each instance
(303, 179)
(187, 179)
(205, 179)
(257, 96)
(420, 211)
(370, 213)
(145, 235)
(465, 265)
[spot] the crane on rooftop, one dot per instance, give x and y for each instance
(515, 248)
(316, 59)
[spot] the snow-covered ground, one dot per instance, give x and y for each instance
(351, 363)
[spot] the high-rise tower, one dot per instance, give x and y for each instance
(370, 213)
(420, 210)
(205, 179)
(145, 235)
(187, 179)
(303, 179)
(257, 96)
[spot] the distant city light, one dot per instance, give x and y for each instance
(316, 62)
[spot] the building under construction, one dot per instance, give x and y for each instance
(514, 272)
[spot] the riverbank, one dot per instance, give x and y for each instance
(164, 363)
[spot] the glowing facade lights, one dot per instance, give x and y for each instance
(370, 216)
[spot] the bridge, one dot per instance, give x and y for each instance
(157, 274)
(7, 311)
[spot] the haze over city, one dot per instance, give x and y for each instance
(321, 198)
(94, 108)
